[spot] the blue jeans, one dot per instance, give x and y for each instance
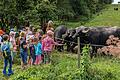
(33, 58)
(24, 57)
(6, 61)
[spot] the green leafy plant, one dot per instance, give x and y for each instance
(84, 63)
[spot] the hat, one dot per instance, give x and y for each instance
(12, 33)
(12, 29)
(29, 33)
(50, 32)
(1, 32)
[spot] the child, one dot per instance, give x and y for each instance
(12, 40)
(32, 57)
(47, 46)
(23, 51)
(6, 48)
(38, 51)
(0, 45)
(17, 40)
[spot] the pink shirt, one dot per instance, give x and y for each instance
(47, 44)
(12, 40)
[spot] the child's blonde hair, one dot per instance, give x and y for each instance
(44, 36)
(22, 34)
(50, 25)
(50, 33)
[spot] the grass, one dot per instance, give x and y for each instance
(108, 17)
(65, 65)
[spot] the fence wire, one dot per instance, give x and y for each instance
(80, 43)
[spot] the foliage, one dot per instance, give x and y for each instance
(85, 63)
(43, 10)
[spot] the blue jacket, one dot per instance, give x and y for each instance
(38, 49)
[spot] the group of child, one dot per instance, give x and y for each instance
(34, 48)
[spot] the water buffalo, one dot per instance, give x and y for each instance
(97, 36)
(59, 32)
(68, 39)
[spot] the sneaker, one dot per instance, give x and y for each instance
(4, 73)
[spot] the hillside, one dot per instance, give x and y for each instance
(108, 17)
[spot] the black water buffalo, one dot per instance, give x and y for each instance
(68, 39)
(97, 36)
(59, 32)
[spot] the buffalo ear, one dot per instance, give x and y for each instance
(86, 30)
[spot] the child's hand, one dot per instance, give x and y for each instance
(25, 46)
(5, 53)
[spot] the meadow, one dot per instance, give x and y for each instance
(64, 67)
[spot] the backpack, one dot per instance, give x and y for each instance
(6, 50)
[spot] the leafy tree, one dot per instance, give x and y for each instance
(64, 9)
(45, 11)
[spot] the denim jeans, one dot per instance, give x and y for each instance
(6, 61)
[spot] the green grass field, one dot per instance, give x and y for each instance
(108, 17)
(64, 67)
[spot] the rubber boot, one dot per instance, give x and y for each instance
(10, 72)
(4, 72)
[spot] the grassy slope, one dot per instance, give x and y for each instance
(107, 17)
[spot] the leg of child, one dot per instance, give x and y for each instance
(5, 66)
(0, 55)
(49, 57)
(39, 59)
(36, 61)
(10, 67)
(42, 58)
(25, 59)
(22, 61)
(45, 56)
(33, 59)
(29, 60)
(12, 55)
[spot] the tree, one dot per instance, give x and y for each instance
(45, 11)
(64, 10)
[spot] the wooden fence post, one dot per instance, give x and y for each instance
(78, 52)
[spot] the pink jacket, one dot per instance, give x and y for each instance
(48, 44)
